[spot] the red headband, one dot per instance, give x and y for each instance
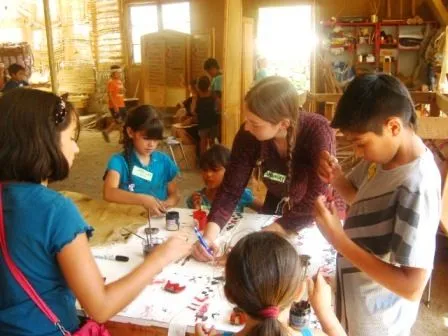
(271, 312)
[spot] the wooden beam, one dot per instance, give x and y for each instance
(439, 10)
(233, 52)
(49, 33)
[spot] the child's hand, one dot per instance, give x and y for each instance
(154, 206)
(197, 200)
(328, 221)
(200, 254)
(173, 249)
(329, 168)
(201, 330)
(319, 293)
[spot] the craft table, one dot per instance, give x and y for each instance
(157, 312)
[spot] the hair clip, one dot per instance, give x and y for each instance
(60, 112)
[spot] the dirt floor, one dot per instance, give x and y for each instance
(86, 177)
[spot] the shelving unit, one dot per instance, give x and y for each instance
(354, 43)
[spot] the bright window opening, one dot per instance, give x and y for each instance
(143, 21)
(176, 16)
(285, 40)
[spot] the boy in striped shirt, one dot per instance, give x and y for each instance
(387, 245)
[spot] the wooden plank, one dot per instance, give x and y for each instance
(248, 59)
(127, 329)
(433, 128)
(51, 60)
(439, 10)
(233, 41)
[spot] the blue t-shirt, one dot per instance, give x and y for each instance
(12, 84)
(39, 222)
(216, 84)
(246, 200)
(151, 180)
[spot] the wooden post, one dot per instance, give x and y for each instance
(413, 8)
(389, 9)
(233, 45)
(248, 59)
(49, 33)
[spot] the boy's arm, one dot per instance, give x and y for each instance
(345, 188)
(330, 172)
(407, 282)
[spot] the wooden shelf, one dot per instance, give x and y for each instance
(347, 24)
(403, 23)
(409, 49)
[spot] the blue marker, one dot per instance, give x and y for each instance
(202, 241)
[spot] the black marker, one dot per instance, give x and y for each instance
(112, 257)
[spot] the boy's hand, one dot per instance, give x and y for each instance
(319, 293)
(328, 221)
(201, 330)
(197, 200)
(329, 168)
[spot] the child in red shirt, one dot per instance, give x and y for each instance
(115, 92)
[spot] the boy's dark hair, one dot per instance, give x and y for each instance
(211, 63)
(30, 137)
(215, 157)
(369, 100)
(15, 68)
(143, 118)
(203, 83)
(257, 279)
(194, 82)
(115, 67)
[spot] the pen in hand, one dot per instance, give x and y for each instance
(202, 241)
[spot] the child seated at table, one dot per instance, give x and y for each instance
(44, 233)
(141, 175)
(206, 114)
(263, 278)
(213, 165)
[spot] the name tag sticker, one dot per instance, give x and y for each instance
(275, 176)
(143, 174)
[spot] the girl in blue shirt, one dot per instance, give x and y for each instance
(45, 234)
(213, 165)
(141, 175)
(263, 278)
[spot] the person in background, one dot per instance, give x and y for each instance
(211, 66)
(213, 165)
(117, 107)
(387, 245)
(46, 236)
(18, 77)
(185, 127)
(262, 72)
(206, 115)
(141, 175)
(263, 277)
